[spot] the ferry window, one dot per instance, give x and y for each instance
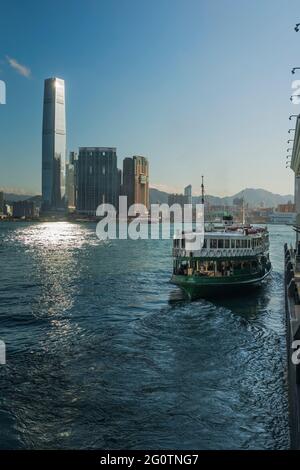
(213, 243)
(220, 243)
(238, 243)
(249, 243)
(232, 243)
(244, 243)
(204, 243)
(183, 243)
(226, 243)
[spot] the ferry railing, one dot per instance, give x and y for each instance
(218, 252)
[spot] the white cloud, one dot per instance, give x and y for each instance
(21, 69)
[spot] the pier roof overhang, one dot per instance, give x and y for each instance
(295, 162)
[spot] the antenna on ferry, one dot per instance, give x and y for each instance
(202, 190)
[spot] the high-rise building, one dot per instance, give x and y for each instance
(24, 209)
(128, 180)
(136, 180)
(188, 194)
(54, 146)
(70, 180)
(97, 178)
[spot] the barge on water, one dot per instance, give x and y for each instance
(231, 256)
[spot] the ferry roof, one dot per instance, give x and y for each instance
(232, 234)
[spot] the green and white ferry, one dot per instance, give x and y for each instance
(231, 257)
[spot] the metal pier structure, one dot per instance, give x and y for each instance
(292, 302)
(292, 307)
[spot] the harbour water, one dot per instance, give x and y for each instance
(102, 352)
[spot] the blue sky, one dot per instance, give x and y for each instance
(197, 86)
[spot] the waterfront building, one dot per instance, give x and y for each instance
(188, 194)
(284, 214)
(136, 180)
(23, 209)
(54, 146)
(119, 184)
(128, 180)
(97, 178)
(289, 207)
(70, 180)
(280, 218)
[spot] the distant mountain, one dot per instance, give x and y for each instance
(11, 197)
(158, 197)
(253, 197)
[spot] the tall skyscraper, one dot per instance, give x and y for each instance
(188, 194)
(70, 180)
(136, 180)
(54, 145)
(97, 178)
(128, 180)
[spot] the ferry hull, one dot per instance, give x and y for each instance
(197, 287)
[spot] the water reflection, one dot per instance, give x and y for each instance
(58, 235)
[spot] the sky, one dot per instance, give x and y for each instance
(197, 86)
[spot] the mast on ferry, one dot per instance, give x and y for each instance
(243, 211)
(202, 191)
